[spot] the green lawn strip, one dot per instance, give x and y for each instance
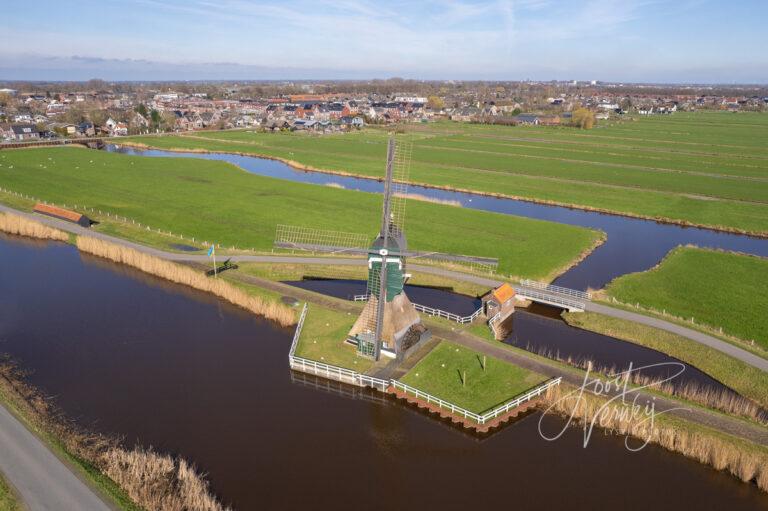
(322, 339)
(98, 480)
(717, 289)
(144, 236)
(19, 203)
(8, 498)
(215, 201)
(748, 381)
(440, 374)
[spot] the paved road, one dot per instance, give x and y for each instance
(708, 340)
(694, 335)
(43, 482)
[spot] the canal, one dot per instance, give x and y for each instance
(632, 244)
(161, 365)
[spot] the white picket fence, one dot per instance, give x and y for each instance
(434, 312)
(479, 418)
(327, 370)
(363, 380)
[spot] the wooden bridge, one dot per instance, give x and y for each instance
(571, 299)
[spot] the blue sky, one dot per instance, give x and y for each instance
(705, 41)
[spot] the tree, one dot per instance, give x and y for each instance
(168, 120)
(155, 118)
(98, 117)
(583, 118)
(141, 109)
(435, 103)
(75, 114)
(5, 99)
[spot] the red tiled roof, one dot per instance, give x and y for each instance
(64, 214)
(503, 293)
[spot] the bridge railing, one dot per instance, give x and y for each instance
(556, 289)
(553, 298)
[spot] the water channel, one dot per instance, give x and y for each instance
(632, 244)
(159, 364)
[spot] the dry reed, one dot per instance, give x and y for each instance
(737, 457)
(159, 481)
(188, 277)
(153, 481)
(433, 200)
(725, 400)
(14, 224)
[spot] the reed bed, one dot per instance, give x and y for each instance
(725, 401)
(740, 458)
(15, 224)
(160, 481)
(173, 272)
(153, 481)
(433, 200)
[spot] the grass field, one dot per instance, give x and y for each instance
(322, 339)
(440, 373)
(8, 501)
(218, 202)
(703, 168)
(717, 289)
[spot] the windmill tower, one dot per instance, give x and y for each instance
(389, 323)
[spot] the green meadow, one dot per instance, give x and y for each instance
(717, 289)
(218, 202)
(8, 501)
(702, 168)
(442, 371)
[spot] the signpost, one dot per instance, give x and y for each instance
(212, 253)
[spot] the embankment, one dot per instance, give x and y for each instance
(742, 459)
(150, 480)
(188, 277)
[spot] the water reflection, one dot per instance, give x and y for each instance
(204, 379)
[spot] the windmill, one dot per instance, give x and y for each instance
(389, 322)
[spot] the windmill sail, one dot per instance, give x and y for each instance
(389, 322)
(393, 222)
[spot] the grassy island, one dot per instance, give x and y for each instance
(717, 289)
(442, 371)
